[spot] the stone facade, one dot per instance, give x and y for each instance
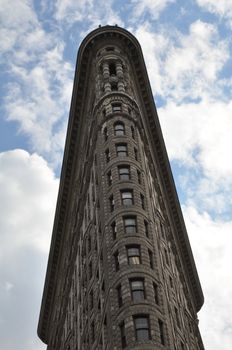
(121, 273)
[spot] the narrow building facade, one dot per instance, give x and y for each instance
(121, 273)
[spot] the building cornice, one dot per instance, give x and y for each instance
(73, 140)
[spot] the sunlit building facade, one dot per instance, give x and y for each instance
(120, 274)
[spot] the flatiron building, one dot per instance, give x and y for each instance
(121, 273)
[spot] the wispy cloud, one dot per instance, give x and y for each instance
(184, 66)
(151, 7)
(222, 8)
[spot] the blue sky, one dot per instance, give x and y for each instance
(187, 49)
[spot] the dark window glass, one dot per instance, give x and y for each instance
(150, 259)
(105, 132)
(121, 150)
(137, 289)
(107, 155)
(127, 197)
(139, 176)
(119, 292)
(123, 334)
(156, 294)
(114, 229)
(89, 243)
(136, 154)
(90, 270)
(119, 129)
(111, 200)
(116, 260)
(112, 68)
(142, 201)
(124, 172)
(146, 228)
(161, 331)
(142, 330)
(132, 132)
(109, 177)
(130, 225)
(116, 107)
(114, 86)
(133, 255)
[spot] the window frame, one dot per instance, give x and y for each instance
(119, 128)
(137, 291)
(133, 259)
(124, 172)
(123, 152)
(123, 334)
(142, 327)
(116, 107)
(127, 197)
(130, 228)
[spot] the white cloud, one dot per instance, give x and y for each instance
(154, 7)
(211, 242)
(203, 132)
(184, 66)
(198, 137)
(222, 8)
(92, 12)
(28, 190)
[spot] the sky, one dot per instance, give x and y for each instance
(187, 49)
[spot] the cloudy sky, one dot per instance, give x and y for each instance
(187, 48)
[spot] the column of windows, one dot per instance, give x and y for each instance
(133, 251)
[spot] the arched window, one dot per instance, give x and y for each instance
(119, 129)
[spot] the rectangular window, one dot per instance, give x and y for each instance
(116, 260)
(142, 328)
(150, 259)
(132, 132)
(114, 230)
(137, 289)
(91, 300)
(105, 133)
(124, 172)
(119, 129)
(109, 178)
(156, 294)
(139, 176)
(123, 334)
(119, 292)
(90, 270)
(146, 228)
(136, 153)
(127, 197)
(130, 225)
(161, 332)
(142, 200)
(133, 255)
(107, 155)
(116, 107)
(121, 150)
(111, 202)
